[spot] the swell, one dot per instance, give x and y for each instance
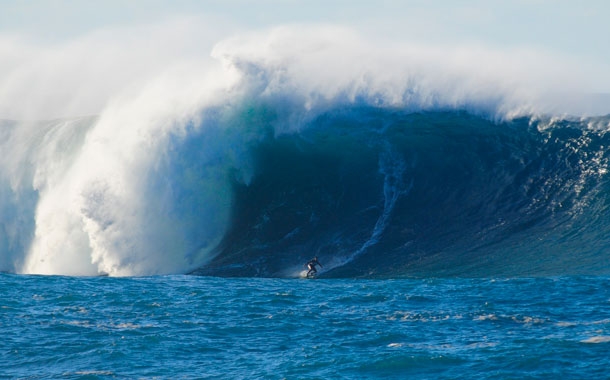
(385, 193)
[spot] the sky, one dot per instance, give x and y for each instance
(569, 31)
(570, 27)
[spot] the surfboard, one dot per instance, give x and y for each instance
(303, 274)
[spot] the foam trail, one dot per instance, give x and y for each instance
(393, 168)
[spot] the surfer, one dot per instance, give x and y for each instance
(311, 265)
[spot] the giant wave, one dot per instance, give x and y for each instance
(386, 193)
(275, 152)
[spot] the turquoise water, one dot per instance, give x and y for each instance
(205, 327)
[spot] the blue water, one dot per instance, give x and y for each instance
(386, 193)
(205, 327)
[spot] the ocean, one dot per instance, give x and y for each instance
(194, 327)
(375, 192)
(461, 222)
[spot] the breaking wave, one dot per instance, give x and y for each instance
(382, 162)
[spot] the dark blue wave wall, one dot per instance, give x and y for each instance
(384, 193)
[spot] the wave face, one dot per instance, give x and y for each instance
(383, 160)
(386, 193)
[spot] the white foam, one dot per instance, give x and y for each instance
(597, 339)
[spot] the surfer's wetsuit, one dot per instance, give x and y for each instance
(311, 265)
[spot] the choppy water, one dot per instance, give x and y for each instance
(205, 327)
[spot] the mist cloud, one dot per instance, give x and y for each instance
(80, 76)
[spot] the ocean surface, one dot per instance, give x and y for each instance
(194, 327)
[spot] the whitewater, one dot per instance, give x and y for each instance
(157, 209)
